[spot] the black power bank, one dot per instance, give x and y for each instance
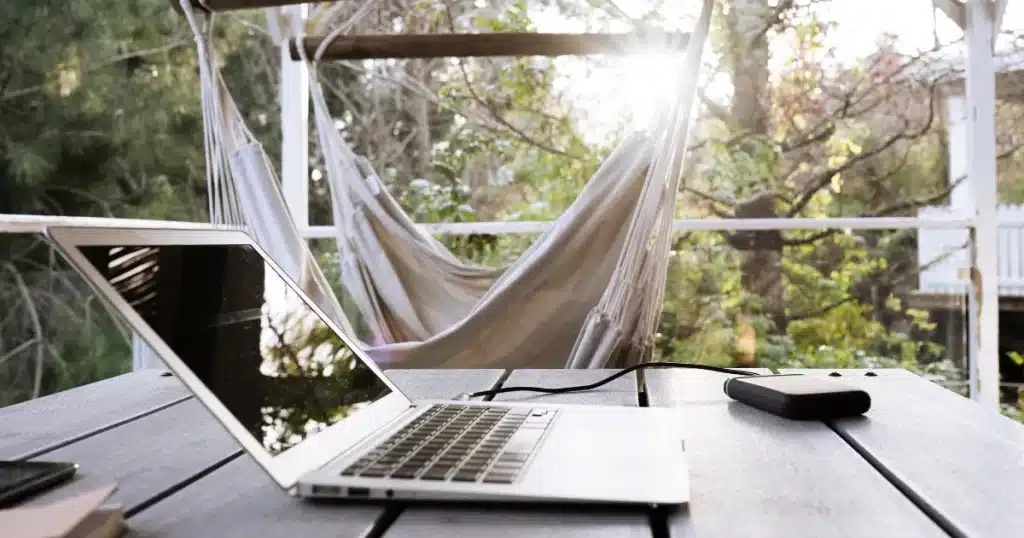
(799, 397)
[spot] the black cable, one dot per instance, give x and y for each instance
(609, 379)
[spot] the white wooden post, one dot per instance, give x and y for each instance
(981, 95)
(294, 95)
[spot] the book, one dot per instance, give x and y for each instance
(83, 515)
(104, 522)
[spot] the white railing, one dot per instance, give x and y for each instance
(944, 255)
(941, 222)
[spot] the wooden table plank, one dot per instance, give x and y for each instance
(419, 384)
(755, 474)
(240, 500)
(32, 428)
(962, 461)
(847, 372)
(693, 389)
(622, 391)
(147, 456)
(501, 522)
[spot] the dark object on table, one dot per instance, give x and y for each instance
(22, 479)
(799, 397)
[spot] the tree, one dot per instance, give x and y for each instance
(99, 116)
(818, 138)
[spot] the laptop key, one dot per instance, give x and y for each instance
(406, 471)
(465, 476)
(499, 478)
(510, 468)
(435, 473)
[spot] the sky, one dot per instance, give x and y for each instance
(633, 86)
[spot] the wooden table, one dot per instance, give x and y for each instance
(923, 463)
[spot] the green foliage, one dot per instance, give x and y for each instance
(99, 116)
(75, 342)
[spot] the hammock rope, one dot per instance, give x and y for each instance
(241, 183)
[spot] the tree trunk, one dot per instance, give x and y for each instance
(760, 252)
(420, 114)
(418, 107)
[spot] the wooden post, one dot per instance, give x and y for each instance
(981, 97)
(231, 5)
(405, 46)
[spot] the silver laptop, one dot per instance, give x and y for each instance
(324, 421)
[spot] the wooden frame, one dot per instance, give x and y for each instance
(404, 46)
(231, 5)
(462, 45)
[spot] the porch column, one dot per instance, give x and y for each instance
(981, 96)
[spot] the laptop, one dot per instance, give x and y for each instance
(324, 421)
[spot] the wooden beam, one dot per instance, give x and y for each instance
(403, 46)
(231, 5)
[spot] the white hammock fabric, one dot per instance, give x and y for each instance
(243, 187)
(587, 294)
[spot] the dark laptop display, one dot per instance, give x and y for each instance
(245, 334)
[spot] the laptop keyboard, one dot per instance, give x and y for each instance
(458, 443)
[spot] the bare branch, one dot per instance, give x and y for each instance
(821, 311)
(14, 94)
(825, 177)
(717, 110)
(884, 212)
(18, 349)
(37, 327)
(493, 110)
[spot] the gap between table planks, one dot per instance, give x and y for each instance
(962, 463)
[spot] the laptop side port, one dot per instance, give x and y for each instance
(358, 492)
(327, 491)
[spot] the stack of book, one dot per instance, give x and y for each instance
(84, 515)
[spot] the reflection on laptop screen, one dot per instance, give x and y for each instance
(245, 333)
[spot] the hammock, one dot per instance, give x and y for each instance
(586, 294)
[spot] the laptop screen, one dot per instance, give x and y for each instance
(246, 334)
